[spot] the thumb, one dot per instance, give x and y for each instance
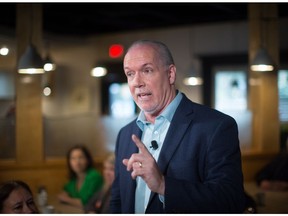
(125, 162)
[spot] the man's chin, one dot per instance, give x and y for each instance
(150, 111)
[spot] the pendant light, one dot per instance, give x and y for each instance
(192, 80)
(4, 51)
(262, 61)
(49, 65)
(98, 71)
(31, 62)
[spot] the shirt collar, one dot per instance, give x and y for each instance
(168, 113)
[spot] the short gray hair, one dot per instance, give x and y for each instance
(161, 49)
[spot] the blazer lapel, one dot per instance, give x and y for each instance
(178, 127)
(181, 120)
(132, 146)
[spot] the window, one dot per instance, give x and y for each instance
(121, 102)
(7, 115)
(6, 85)
(283, 95)
(230, 97)
(230, 90)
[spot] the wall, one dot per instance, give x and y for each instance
(52, 174)
(185, 43)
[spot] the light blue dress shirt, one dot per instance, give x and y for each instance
(157, 132)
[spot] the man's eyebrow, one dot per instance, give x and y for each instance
(147, 64)
(142, 66)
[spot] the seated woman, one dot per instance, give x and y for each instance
(99, 203)
(16, 198)
(85, 180)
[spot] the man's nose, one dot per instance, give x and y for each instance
(138, 80)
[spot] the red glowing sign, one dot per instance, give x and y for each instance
(116, 50)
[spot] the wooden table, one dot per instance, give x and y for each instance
(274, 202)
(60, 207)
(271, 202)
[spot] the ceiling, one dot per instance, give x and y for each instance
(84, 19)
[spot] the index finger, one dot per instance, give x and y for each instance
(139, 144)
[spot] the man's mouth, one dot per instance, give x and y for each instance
(143, 96)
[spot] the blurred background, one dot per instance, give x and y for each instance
(83, 97)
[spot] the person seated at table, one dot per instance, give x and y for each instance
(274, 176)
(16, 198)
(84, 180)
(99, 203)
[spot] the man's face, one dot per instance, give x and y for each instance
(151, 83)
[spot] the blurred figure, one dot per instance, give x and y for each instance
(99, 203)
(274, 175)
(16, 198)
(85, 180)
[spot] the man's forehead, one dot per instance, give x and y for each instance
(140, 54)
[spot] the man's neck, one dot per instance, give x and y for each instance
(151, 117)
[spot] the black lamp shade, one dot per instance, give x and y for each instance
(262, 61)
(31, 62)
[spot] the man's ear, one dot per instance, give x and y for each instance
(172, 74)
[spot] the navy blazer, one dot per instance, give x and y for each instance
(200, 160)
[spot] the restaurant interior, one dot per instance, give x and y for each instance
(83, 98)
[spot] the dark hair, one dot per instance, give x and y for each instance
(161, 49)
(87, 154)
(8, 187)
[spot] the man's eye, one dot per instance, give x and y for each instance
(129, 74)
(146, 70)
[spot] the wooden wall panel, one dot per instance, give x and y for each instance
(51, 174)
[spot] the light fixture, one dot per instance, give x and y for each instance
(262, 61)
(31, 62)
(193, 81)
(49, 65)
(4, 51)
(99, 71)
(47, 91)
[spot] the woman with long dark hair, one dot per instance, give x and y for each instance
(84, 181)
